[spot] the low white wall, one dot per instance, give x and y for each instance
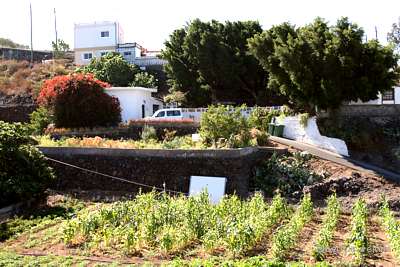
(311, 135)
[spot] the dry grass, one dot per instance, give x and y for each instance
(18, 77)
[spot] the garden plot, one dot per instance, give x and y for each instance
(156, 228)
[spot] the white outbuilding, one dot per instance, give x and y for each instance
(136, 102)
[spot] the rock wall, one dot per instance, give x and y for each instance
(154, 167)
(16, 113)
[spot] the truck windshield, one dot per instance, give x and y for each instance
(161, 114)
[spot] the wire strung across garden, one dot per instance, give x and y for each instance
(116, 178)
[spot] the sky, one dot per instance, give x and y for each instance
(149, 22)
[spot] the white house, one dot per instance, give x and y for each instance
(388, 97)
(136, 102)
(96, 39)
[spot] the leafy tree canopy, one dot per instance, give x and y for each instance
(394, 35)
(60, 48)
(111, 68)
(209, 61)
(144, 79)
(321, 66)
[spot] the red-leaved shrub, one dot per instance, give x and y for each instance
(79, 100)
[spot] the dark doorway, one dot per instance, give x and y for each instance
(143, 112)
(155, 108)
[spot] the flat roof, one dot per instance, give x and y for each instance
(132, 88)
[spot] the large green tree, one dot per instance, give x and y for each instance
(209, 61)
(321, 66)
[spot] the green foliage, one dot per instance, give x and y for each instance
(111, 68)
(285, 174)
(148, 133)
(39, 120)
(39, 218)
(285, 238)
(60, 48)
(320, 66)
(358, 239)
(329, 225)
(23, 170)
(391, 225)
(224, 126)
(304, 119)
(175, 97)
(394, 35)
(144, 79)
(169, 224)
(260, 117)
(210, 62)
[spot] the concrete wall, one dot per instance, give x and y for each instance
(131, 100)
(96, 52)
(89, 35)
(311, 135)
(155, 167)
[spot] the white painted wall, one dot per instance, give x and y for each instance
(311, 135)
(131, 100)
(89, 35)
(379, 101)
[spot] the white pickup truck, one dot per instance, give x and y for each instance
(170, 113)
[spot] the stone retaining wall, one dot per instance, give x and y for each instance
(16, 113)
(387, 110)
(154, 167)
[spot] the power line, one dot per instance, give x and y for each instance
(114, 177)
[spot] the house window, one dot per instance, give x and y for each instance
(388, 95)
(87, 56)
(127, 53)
(105, 34)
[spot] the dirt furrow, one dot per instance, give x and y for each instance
(302, 251)
(379, 253)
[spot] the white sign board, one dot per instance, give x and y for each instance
(215, 187)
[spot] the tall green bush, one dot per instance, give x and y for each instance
(225, 126)
(111, 68)
(39, 120)
(23, 170)
(260, 117)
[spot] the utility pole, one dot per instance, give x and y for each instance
(55, 30)
(30, 10)
(376, 33)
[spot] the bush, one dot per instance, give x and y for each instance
(144, 79)
(224, 126)
(39, 120)
(79, 100)
(260, 117)
(111, 68)
(286, 174)
(148, 133)
(23, 170)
